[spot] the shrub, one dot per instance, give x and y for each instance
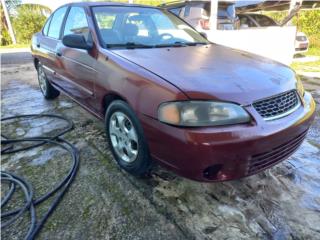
(5, 37)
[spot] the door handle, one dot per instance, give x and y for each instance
(58, 54)
(38, 45)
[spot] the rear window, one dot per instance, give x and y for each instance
(264, 21)
(105, 20)
(224, 10)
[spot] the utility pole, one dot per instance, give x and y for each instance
(293, 9)
(6, 14)
(214, 15)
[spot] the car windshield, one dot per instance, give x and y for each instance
(142, 27)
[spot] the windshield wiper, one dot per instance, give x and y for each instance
(128, 45)
(196, 43)
(175, 44)
(180, 44)
(132, 45)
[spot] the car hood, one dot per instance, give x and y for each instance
(215, 72)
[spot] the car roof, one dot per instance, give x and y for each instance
(94, 4)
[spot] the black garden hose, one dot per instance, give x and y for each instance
(14, 181)
(7, 140)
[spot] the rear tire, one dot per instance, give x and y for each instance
(48, 91)
(126, 139)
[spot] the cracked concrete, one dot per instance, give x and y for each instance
(106, 203)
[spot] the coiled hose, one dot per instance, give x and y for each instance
(9, 146)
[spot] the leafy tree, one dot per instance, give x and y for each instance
(4, 37)
(28, 20)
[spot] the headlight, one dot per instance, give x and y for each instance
(300, 87)
(202, 113)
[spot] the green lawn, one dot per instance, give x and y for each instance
(308, 66)
(20, 45)
(313, 51)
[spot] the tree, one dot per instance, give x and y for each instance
(28, 20)
(6, 29)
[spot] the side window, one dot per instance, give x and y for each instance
(265, 21)
(77, 22)
(46, 27)
(56, 22)
(251, 23)
(246, 22)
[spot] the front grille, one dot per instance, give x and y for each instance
(277, 106)
(264, 160)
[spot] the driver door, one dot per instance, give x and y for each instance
(77, 72)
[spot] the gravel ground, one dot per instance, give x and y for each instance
(106, 203)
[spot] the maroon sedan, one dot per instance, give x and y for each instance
(207, 112)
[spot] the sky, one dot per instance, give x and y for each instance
(52, 4)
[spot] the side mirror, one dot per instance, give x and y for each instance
(76, 41)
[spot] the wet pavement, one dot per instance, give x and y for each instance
(106, 203)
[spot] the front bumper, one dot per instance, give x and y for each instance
(225, 153)
(301, 47)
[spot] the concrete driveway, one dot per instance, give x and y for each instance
(106, 203)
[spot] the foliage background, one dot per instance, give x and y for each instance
(5, 37)
(28, 20)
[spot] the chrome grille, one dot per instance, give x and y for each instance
(277, 106)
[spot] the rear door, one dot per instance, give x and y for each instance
(48, 42)
(77, 73)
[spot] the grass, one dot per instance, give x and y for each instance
(306, 66)
(313, 66)
(313, 52)
(19, 45)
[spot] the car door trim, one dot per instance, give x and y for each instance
(75, 84)
(99, 116)
(83, 65)
(48, 69)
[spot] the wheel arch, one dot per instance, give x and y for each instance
(36, 62)
(109, 98)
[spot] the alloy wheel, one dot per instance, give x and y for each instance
(42, 80)
(123, 136)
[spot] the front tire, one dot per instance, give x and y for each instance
(48, 91)
(126, 139)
